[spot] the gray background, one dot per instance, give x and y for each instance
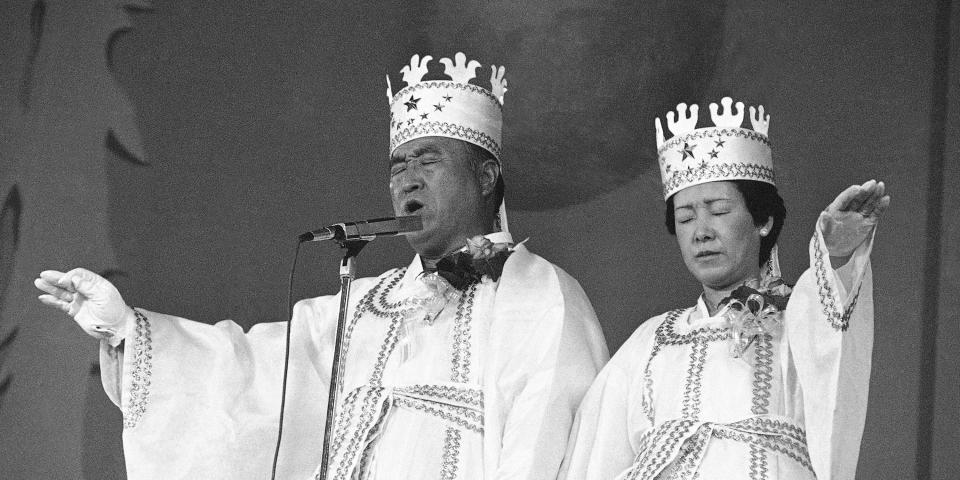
(180, 147)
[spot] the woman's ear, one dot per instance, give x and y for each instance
(766, 228)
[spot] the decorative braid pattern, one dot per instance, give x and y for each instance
(142, 371)
(657, 448)
(461, 337)
(762, 374)
(758, 463)
(839, 321)
(693, 387)
(445, 129)
(466, 396)
(723, 171)
(451, 454)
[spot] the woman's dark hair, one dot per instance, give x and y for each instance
(762, 201)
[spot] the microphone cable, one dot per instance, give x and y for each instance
(286, 361)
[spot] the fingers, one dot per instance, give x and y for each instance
(881, 207)
(864, 192)
(79, 280)
(842, 202)
(51, 276)
(55, 302)
(54, 290)
(870, 203)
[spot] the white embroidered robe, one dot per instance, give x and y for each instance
(487, 391)
(674, 403)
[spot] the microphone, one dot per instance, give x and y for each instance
(364, 229)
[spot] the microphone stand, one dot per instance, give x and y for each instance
(348, 271)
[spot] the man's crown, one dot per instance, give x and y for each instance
(724, 151)
(451, 108)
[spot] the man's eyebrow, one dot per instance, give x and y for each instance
(417, 152)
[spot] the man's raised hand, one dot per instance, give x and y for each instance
(851, 217)
(92, 301)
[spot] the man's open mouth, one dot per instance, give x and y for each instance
(411, 207)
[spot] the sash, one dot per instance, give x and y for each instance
(678, 446)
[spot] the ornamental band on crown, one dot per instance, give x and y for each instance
(447, 108)
(722, 152)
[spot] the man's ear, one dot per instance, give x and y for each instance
(489, 173)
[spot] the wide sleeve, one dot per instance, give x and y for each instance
(829, 327)
(549, 348)
(613, 416)
(203, 401)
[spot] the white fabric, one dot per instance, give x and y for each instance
(674, 402)
(202, 401)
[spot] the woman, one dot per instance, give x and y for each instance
(755, 381)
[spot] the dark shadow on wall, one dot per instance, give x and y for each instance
(9, 238)
(584, 83)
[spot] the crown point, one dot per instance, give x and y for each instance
(413, 73)
(389, 90)
(497, 82)
(460, 70)
(660, 139)
(727, 119)
(684, 123)
(760, 123)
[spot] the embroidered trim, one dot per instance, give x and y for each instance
(445, 129)
(646, 399)
(657, 447)
(797, 452)
(666, 333)
(142, 371)
(758, 463)
(465, 417)
(460, 357)
(673, 450)
(466, 396)
(693, 387)
(364, 410)
(687, 463)
(373, 391)
(451, 455)
(825, 290)
(343, 421)
(726, 171)
(762, 374)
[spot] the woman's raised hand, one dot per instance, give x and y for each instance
(850, 218)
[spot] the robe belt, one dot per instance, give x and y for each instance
(680, 444)
(357, 429)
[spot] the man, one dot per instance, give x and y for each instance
(463, 365)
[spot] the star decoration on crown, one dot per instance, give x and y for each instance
(438, 107)
(423, 116)
(447, 98)
(720, 142)
(412, 103)
(687, 151)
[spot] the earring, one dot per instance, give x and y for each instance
(763, 232)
